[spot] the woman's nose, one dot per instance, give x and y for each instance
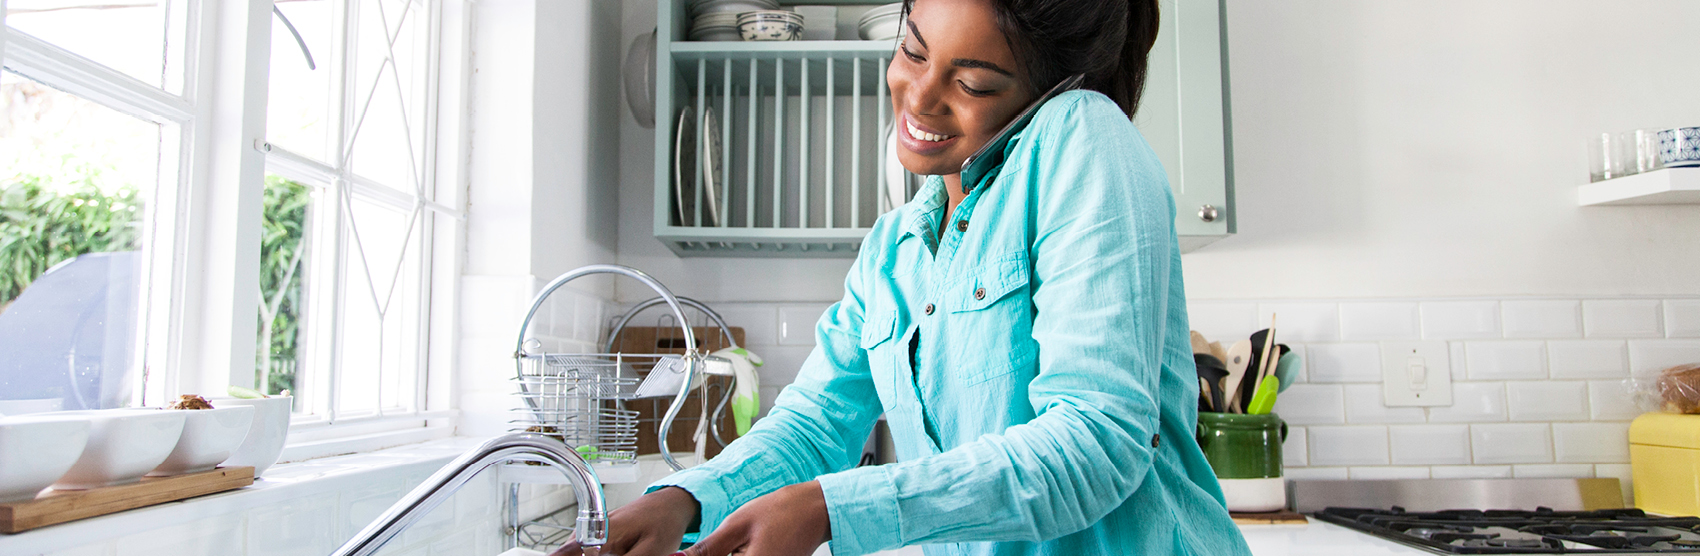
(926, 94)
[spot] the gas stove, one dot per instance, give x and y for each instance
(1542, 531)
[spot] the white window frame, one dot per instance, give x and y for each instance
(202, 280)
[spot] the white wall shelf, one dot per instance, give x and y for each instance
(1670, 186)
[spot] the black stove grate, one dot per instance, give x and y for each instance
(1542, 531)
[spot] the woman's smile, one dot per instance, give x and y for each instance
(924, 140)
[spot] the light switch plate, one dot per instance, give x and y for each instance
(1416, 374)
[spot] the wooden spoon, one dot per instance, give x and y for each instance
(1199, 344)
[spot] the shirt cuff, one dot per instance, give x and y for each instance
(861, 505)
(713, 504)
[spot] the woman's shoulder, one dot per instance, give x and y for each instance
(1083, 128)
(1085, 111)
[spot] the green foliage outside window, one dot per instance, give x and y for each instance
(43, 223)
(282, 253)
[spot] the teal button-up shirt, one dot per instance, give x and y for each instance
(1033, 365)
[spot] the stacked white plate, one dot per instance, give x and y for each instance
(717, 20)
(882, 23)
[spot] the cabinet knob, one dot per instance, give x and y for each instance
(1207, 213)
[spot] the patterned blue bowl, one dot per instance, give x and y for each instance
(1680, 147)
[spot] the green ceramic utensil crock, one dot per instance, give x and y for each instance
(1242, 446)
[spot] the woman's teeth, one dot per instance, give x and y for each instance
(924, 136)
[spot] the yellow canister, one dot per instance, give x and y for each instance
(1664, 456)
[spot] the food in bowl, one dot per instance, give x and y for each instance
(123, 445)
(209, 436)
(36, 450)
(191, 401)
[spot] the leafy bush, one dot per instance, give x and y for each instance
(282, 253)
(41, 226)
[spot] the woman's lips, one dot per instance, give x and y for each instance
(922, 141)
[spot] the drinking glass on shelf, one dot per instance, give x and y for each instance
(1647, 150)
(1603, 155)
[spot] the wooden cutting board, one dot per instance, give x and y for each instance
(60, 506)
(1282, 517)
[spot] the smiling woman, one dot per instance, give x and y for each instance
(1024, 333)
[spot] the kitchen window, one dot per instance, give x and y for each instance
(131, 99)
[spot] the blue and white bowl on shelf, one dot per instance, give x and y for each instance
(770, 25)
(1680, 147)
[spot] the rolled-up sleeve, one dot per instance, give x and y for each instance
(1102, 236)
(818, 424)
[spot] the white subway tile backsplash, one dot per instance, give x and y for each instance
(1315, 474)
(1590, 442)
(1682, 318)
(1312, 404)
(1301, 322)
(1470, 472)
(1514, 360)
(1386, 473)
(1647, 356)
(1459, 359)
(1553, 471)
(1622, 318)
(1344, 362)
(1541, 318)
(1588, 358)
(797, 324)
(1547, 401)
(1429, 444)
(1224, 322)
(1460, 320)
(1364, 406)
(1472, 402)
(1624, 476)
(1608, 400)
(1295, 450)
(1511, 443)
(1357, 445)
(1375, 321)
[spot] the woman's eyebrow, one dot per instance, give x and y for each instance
(981, 64)
(915, 33)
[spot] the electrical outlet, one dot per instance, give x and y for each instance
(1416, 374)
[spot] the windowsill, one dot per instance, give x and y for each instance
(281, 483)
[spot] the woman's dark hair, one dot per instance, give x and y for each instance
(1107, 40)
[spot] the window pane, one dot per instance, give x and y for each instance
(392, 125)
(381, 307)
(283, 275)
(75, 180)
(301, 111)
(125, 35)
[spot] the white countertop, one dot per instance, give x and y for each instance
(1319, 538)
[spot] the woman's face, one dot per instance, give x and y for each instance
(954, 83)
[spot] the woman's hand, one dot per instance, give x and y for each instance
(652, 525)
(791, 521)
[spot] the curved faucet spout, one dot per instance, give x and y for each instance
(592, 527)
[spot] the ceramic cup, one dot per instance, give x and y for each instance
(266, 434)
(1680, 147)
(1245, 453)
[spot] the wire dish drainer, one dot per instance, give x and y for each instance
(579, 397)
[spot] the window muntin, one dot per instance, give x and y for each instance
(140, 38)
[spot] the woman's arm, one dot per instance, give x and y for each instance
(1101, 256)
(818, 424)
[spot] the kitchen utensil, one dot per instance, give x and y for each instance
(1254, 370)
(639, 74)
(684, 171)
(1239, 357)
(1287, 368)
(1680, 147)
(715, 27)
(1245, 453)
(710, 164)
(1199, 344)
(1263, 399)
(1217, 350)
(1212, 371)
(1204, 396)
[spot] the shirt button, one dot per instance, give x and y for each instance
(980, 293)
(928, 309)
(1154, 438)
(961, 225)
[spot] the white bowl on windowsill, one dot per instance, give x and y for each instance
(36, 450)
(266, 434)
(123, 445)
(209, 437)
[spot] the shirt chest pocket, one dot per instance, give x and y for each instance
(991, 314)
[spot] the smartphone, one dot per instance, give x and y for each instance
(982, 161)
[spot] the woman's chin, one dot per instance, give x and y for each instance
(935, 165)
